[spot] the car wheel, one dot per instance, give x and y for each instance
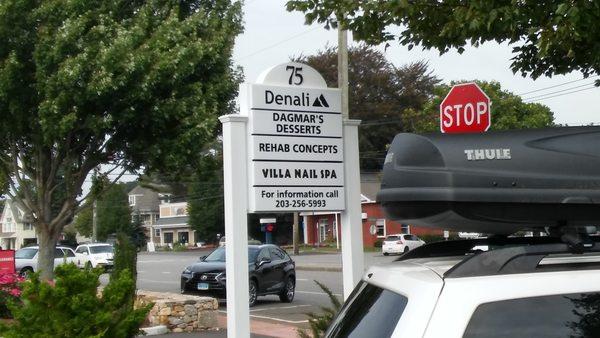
(406, 249)
(253, 293)
(288, 292)
(88, 265)
(385, 253)
(25, 272)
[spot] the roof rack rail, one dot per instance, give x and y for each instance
(515, 255)
(511, 260)
(463, 247)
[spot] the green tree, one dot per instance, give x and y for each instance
(126, 83)
(508, 111)
(549, 36)
(379, 95)
(112, 212)
(205, 198)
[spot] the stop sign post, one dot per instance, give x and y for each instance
(466, 109)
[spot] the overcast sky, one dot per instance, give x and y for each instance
(272, 35)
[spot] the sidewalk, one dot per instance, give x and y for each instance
(333, 261)
(258, 329)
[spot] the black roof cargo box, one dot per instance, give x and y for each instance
(497, 182)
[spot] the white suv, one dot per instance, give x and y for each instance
(521, 287)
(26, 259)
(94, 255)
(400, 243)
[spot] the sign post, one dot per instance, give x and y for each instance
(236, 224)
(288, 150)
(466, 109)
(7, 262)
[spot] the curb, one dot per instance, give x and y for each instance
(155, 330)
(318, 268)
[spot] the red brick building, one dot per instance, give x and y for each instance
(325, 227)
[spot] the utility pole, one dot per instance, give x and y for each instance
(352, 245)
(296, 234)
(343, 70)
(94, 223)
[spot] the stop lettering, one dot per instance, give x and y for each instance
(466, 109)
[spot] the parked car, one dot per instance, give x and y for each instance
(251, 241)
(26, 259)
(400, 243)
(271, 270)
(521, 287)
(95, 255)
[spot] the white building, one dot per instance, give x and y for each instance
(15, 231)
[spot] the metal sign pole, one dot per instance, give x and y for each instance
(352, 242)
(236, 224)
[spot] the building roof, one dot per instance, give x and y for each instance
(172, 220)
(146, 199)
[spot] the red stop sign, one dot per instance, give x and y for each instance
(466, 109)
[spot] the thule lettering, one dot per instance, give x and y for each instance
(488, 154)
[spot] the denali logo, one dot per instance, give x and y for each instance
(488, 154)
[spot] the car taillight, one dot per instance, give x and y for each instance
(399, 242)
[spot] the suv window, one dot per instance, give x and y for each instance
(58, 253)
(68, 252)
(408, 238)
(571, 315)
(277, 254)
(81, 250)
(264, 253)
(370, 311)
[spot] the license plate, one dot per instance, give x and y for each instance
(202, 286)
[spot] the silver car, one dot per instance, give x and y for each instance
(26, 259)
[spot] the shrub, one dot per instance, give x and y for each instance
(320, 322)
(10, 290)
(179, 247)
(72, 307)
(378, 243)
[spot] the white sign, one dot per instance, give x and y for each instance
(295, 141)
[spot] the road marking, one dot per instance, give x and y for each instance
(279, 308)
(275, 319)
(160, 281)
(166, 272)
(301, 280)
(317, 293)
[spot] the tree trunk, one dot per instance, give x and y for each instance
(47, 243)
(296, 234)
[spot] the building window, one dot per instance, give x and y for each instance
(132, 200)
(405, 228)
(323, 225)
(380, 225)
(27, 226)
(156, 232)
(168, 237)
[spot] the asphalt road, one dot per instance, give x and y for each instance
(161, 272)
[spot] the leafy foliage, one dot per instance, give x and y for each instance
(127, 83)
(113, 212)
(205, 198)
(379, 95)
(549, 36)
(10, 290)
(508, 111)
(320, 322)
(72, 307)
(125, 257)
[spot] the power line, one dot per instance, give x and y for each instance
(277, 43)
(558, 91)
(549, 97)
(558, 85)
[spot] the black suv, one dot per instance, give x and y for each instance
(271, 271)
